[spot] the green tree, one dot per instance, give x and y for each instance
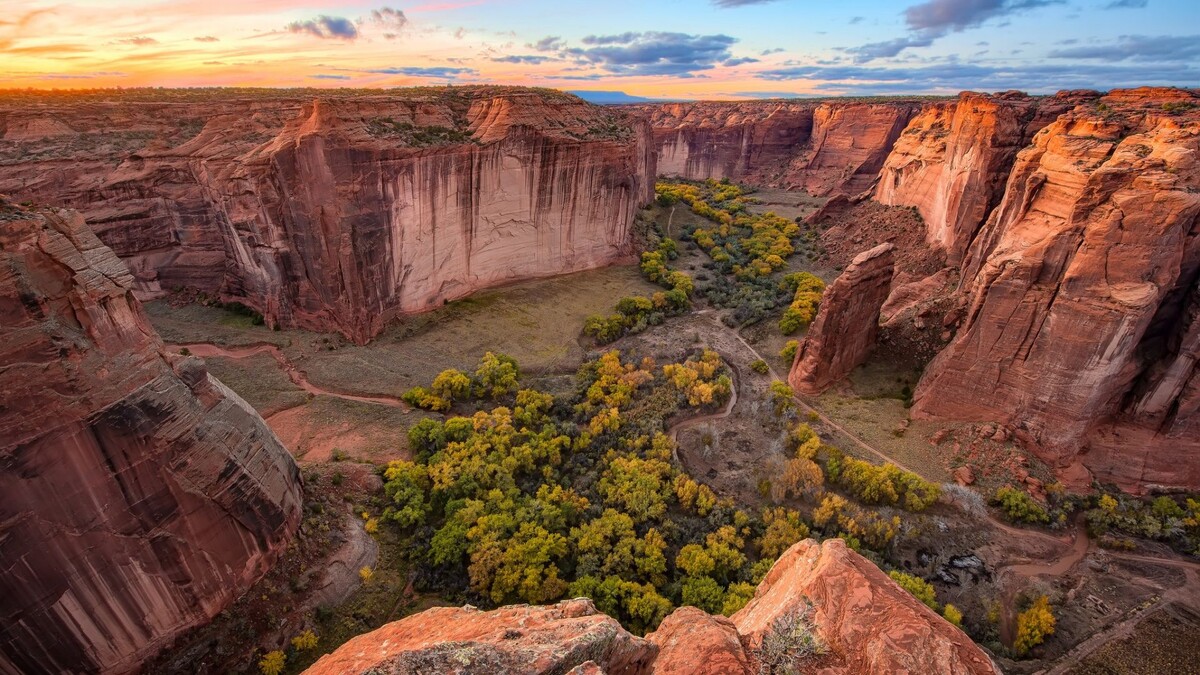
(921, 589)
(703, 592)
(451, 385)
(407, 485)
(496, 375)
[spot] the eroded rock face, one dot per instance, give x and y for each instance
(847, 323)
(138, 495)
(691, 640)
(869, 623)
(824, 148)
(953, 160)
(341, 213)
(1080, 326)
(570, 636)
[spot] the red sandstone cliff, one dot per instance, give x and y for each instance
(138, 495)
(847, 323)
(870, 625)
(340, 213)
(953, 160)
(822, 147)
(1080, 329)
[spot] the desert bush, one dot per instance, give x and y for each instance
(1034, 625)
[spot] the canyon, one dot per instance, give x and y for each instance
(339, 213)
(139, 495)
(1044, 252)
(1072, 221)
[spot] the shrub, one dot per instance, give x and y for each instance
(921, 589)
(305, 641)
(272, 663)
(1018, 506)
(759, 366)
(790, 638)
(366, 574)
(1034, 625)
(782, 397)
(789, 350)
(953, 615)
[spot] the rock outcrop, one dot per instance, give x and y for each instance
(339, 213)
(1080, 327)
(138, 495)
(953, 160)
(516, 639)
(847, 322)
(869, 624)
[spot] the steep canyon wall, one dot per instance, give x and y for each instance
(138, 495)
(338, 213)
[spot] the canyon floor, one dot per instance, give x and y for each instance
(337, 406)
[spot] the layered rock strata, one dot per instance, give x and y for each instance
(138, 495)
(847, 322)
(867, 622)
(1080, 302)
(342, 212)
(953, 160)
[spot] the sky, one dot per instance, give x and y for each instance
(678, 49)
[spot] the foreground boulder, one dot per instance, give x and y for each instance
(868, 624)
(517, 639)
(138, 495)
(847, 323)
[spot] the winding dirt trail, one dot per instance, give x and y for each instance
(297, 376)
(673, 430)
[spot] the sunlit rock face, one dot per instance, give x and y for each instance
(953, 160)
(1080, 329)
(341, 213)
(868, 622)
(847, 322)
(824, 148)
(138, 495)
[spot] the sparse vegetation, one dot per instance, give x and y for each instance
(791, 639)
(920, 589)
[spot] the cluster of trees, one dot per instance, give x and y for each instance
(746, 250)
(635, 313)
(882, 484)
(1018, 507)
(542, 497)
(496, 375)
(1161, 519)
(806, 290)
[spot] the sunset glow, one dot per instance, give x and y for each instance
(691, 49)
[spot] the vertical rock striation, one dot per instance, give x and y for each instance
(953, 160)
(138, 495)
(847, 323)
(1080, 292)
(340, 213)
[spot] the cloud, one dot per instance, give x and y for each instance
(207, 38)
(649, 53)
(523, 58)
(390, 20)
(1127, 4)
(138, 41)
(738, 61)
(888, 49)
(934, 19)
(942, 16)
(768, 52)
(857, 19)
(440, 72)
(1161, 48)
(326, 76)
(952, 77)
(323, 26)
